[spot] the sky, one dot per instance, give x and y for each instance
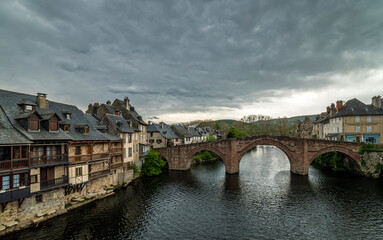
(186, 60)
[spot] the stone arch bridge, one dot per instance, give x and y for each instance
(300, 152)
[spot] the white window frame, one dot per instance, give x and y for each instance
(369, 128)
(357, 129)
(368, 118)
(357, 119)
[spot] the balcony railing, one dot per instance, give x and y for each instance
(14, 164)
(89, 158)
(49, 160)
(116, 151)
(116, 165)
(54, 182)
(99, 174)
(15, 194)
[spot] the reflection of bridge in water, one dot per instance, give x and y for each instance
(300, 151)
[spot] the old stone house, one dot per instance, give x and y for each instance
(305, 128)
(162, 135)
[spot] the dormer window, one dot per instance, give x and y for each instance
(67, 116)
(53, 125)
(33, 125)
(28, 107)
(66, 128)
(86, 130)
(117, 112)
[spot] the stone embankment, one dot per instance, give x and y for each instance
(17, 217)
(372, 164)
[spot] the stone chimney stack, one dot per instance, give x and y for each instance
(333, 110)
(108, 102)
(339, 105)
(42, 101)
(90, 106)
(127, 103)
(162, 124)
(377, 102)
(150, 122)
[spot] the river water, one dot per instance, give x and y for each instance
(264, 201)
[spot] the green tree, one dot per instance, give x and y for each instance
(153, 164)
(235, 133)
(210, 138)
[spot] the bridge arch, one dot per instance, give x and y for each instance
(267, 141)
(351, 154)
(191, 153)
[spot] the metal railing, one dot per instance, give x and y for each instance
(14, 194)
(14, 164)
(54, 182)
(47, 160)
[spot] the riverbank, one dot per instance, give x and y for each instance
(203, 157)
(74, 203)
(370, 165)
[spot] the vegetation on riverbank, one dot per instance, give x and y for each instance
(369, 147)
(335, 161)
(205, 156)
(153, 164)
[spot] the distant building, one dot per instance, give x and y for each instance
(162, 135)
(305, 128)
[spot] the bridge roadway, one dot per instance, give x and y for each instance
(300, 151)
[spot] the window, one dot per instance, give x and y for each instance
(141, 138)
(337, 120)
(357, 129)
(130, 138)
(86, 130)
(151, 134)
(337, 129)
(159, 141)
(53, 126)
(151, 140)
(28, 107)
(68, 116)
(20, 152)
(16, 181)
(34, 125)
(6, 182)
(369, 129)
(39, 198)
(144, 138)
(357, 119)
(34, 179)
(117, 112)
(368, 118)
(130, 152)
(78, 150)
(66, 128)
(78, 171)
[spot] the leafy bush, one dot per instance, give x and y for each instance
(210, 139)
(153, 164)
(369, 147)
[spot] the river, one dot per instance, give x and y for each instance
(264, 201)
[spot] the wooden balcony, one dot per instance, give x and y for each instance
(15, 194)
(49, 160)
(116, 164)
(8, 165)
(53, 183)
(89, 158)
(116, 151)
(102, 173)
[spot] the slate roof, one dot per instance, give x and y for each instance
(9, 100)
(193, 131)
(203, 132)
(132, 112)
(354, 107)
(8, 134)
(166, 131)
(93, 120)
(120, 123)
(182, 131)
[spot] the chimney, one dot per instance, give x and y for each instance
(333, 110)
(90, 106)
(126, 103)
(377, 102)
(339, 105)
(150, 122)
(42, 101)
(162, 124)
(108, 102)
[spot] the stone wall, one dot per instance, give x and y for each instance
(371, 164)
(52, 202)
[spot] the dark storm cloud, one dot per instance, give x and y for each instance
(173, 56)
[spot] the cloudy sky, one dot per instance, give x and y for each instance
(185, 60)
